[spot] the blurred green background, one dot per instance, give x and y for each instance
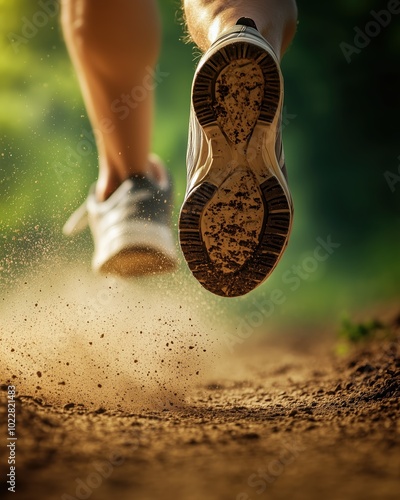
(341, 136)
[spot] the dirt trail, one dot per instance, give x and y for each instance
(291, 421)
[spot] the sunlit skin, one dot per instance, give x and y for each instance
(114, 47)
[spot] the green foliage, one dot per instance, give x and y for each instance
(356, 332)
(352, 333)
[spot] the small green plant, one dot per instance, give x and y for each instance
(356, 332)
(352, 333)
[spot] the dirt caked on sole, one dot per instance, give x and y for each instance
(234, 225)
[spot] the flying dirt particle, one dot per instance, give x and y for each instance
(68, 334)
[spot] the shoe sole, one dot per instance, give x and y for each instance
(136, 262)
(234, 226)
(140, 249)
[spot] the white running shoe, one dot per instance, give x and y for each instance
(131, 230)
(237, 215)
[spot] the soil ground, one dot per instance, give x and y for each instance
(292, 420)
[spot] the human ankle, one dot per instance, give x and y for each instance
(109, 180)
(106, 186)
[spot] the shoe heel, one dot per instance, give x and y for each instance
(209, 256)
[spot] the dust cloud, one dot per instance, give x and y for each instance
(70, 338)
